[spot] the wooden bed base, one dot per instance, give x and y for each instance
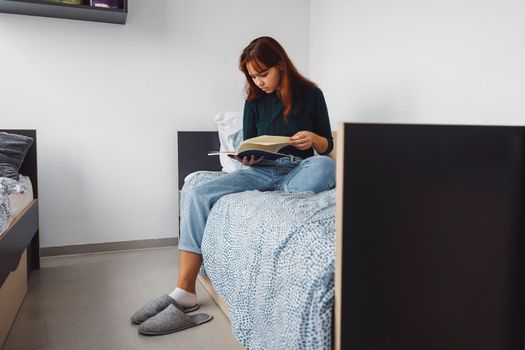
(205, 281)
(12, 295)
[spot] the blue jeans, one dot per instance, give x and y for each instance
(315, 174)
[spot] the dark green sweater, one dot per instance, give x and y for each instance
(264, 116)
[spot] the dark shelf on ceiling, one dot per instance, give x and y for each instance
(68, 11)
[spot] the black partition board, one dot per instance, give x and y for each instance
(67, 11)
(193, 149)
(433, 238)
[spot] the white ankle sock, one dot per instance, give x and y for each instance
(183, 297)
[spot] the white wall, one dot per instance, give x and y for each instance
(107, 101)
(448, 61)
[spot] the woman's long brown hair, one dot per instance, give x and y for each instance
(264, 53)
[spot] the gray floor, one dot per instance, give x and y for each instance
(85, 301)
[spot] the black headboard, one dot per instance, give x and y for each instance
(29, 166)
(193, 152)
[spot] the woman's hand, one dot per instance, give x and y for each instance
(303, 140)
(248, 161)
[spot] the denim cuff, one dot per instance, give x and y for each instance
(190, 249)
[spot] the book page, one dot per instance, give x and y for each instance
(268, 140)
(265, 142)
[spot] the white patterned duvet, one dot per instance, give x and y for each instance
(14, 197)
(271, 256)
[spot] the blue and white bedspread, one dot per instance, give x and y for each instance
(271, 255)
(7, 187)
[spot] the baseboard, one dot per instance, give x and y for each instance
(108, 247)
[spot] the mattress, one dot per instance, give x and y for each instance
(16, 202)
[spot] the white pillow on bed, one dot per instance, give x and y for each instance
(229, 125)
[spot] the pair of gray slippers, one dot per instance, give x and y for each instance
(163, 315)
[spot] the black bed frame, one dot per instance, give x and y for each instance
(24, 232)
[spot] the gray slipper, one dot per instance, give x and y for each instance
(156, 305)
(172, 320)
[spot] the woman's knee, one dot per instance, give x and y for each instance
(321, 166)
(316, 161)
(199, 193)
(325, 172)
(317, 174)
(194, 196)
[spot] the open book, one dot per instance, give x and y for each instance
(261, 146)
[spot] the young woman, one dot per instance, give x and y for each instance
(280, 101)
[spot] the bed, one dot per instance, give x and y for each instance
(19, 236)
(269, 257)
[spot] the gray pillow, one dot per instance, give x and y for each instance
(13, 149)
